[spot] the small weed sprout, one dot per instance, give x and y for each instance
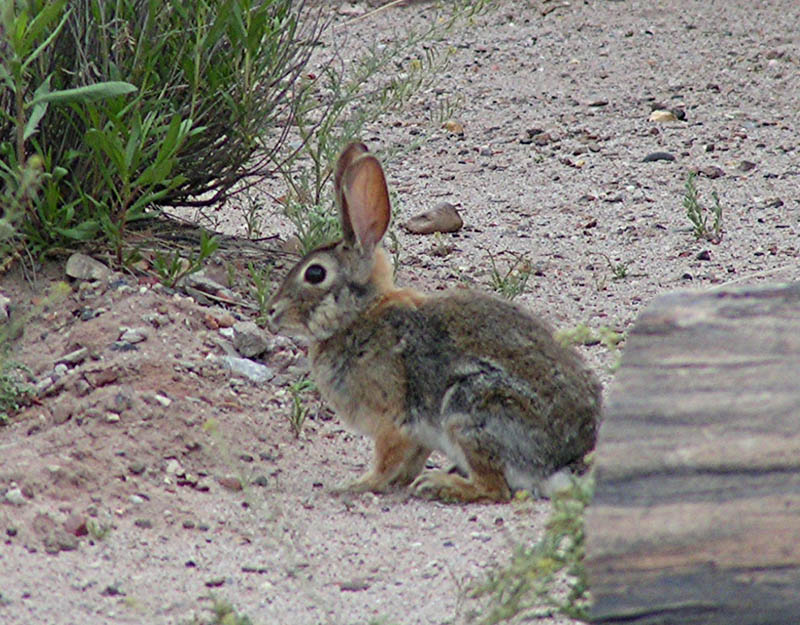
(252, 214)
(299, 409)
(699, 216)
(619, 270)
(14, 391)
(222, 613)
(314, 224)
(172, 269)
(581, 334)
(513, 281)
(261, 286)
(98, 530)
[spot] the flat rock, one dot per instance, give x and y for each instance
(248, 339)
(83, 267)
(441, 218)
(662, 116)
(658, 156)
(253, 371)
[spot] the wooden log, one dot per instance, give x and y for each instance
(696, 516)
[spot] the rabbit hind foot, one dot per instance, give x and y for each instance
(398, 461)
(487, 486)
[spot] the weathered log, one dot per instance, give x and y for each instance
(696, 516)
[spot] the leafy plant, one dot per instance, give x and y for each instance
(28, 32)
(699, 215)
(214, 83)
(512, 281)
(174, 268)
(299, 410)
(14, 392)
(549, 576)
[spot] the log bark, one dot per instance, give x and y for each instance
(696, 516)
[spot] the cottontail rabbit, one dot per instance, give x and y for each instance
(467, 374)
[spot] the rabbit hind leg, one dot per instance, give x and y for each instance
(485, 482)
(398, 461)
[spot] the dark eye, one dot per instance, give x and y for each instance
(314, 274)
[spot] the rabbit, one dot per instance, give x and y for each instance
(470, 375)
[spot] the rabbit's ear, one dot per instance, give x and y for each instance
(350, 154)
(365, 202)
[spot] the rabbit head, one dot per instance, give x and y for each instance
(333, 285)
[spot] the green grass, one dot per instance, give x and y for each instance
(548, 577)
(299, 409)
(706, 223)
(510, 281)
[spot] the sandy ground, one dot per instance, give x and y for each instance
(121, 485)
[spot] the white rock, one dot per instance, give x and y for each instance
(15, 496)
(5, 308)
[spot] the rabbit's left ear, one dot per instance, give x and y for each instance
(348, 155)
(365, 202)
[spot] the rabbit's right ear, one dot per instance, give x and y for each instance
(350, 154)
(365, 202)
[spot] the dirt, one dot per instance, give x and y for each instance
(147, 478)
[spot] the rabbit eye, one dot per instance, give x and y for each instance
(315, 274)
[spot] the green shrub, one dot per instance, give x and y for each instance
(136, 103)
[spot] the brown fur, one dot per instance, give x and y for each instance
(475, 377)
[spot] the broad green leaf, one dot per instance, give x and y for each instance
(18, 37)
(39, 109)
(33, 121)
(88, 93)
(44, 19)
(84, 231)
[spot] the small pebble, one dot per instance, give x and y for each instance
(658, 156)
(137, 468)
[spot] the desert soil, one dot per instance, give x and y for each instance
(144, 440)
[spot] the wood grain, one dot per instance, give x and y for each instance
(696, 517)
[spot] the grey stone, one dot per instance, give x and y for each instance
(83, 267)
(132, 335)
(74, 357)
(658, 156)
(253, 371)
(248, 339)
